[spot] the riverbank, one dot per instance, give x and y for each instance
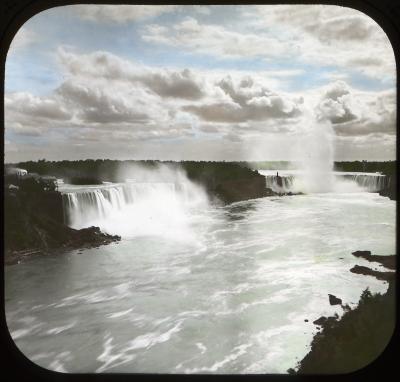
(32, 228)
(362, 334)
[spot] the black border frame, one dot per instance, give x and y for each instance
(16, 366)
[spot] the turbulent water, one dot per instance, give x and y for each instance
(191, 287)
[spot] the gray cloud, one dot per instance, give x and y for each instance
(248, 102)
(119, 13)
(36, 107)
(95, 105)
(174, 84)
(105, 99)
(353, 28)
(336, 104)
(165, 83)
(357, 114)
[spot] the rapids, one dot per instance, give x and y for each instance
(192, 287)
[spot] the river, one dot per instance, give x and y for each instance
(194, 287)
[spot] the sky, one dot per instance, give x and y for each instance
(240, 82)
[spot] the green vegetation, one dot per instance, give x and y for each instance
(34, 225)
(228, 181)
(107, 170)
(362, 334)
(356, 340)
(106, 167)
(387, 168)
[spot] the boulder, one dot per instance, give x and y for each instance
(333, 300)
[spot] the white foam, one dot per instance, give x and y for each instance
(61, 329)
(119, 314)
(238, 351)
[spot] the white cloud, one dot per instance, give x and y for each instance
(357, 113)
(333, 35)
(216, 40)
(23, 38)
(135, 110)
(166, 83)
(120, 13)
(248, 101)
(316, 34)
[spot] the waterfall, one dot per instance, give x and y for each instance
(82, 206)
(369, 182)
(285, 186)
(292, 181)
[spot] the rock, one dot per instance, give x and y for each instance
(31, 229)
(361, 270)
(354, 341)
(333, 300)
(306, 320)
(387, 261)
(361, 253)
(346, 307)
(321, 321)
(230, 191)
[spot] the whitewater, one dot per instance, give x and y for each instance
(194, 287)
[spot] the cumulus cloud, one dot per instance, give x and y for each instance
(96, 104)
(247, 101)
(32, 116)
(139, 110)
(337, 104)
(182, 84)
(357, 113)
(166, 83)
(37, 107)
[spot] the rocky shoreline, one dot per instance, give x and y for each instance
(361, 334)
(31, 230)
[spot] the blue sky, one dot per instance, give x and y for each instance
(334, 61)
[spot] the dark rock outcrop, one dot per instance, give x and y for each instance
(32, 227)
(361, 270)
(242, 189)
(321, 321)
(355, 340)
(387, 261)
(333, 300)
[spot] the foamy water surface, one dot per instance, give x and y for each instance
(215, 290)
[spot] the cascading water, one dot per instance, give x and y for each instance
(314, 173)
(83, 206)
(284, 185)
(292, 181)
(137, 207)
(369, 182)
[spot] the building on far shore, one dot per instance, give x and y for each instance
(18, 172)
(19, 178)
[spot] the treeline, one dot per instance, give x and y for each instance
(387, 168)
(98, 170)
(107, 170)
